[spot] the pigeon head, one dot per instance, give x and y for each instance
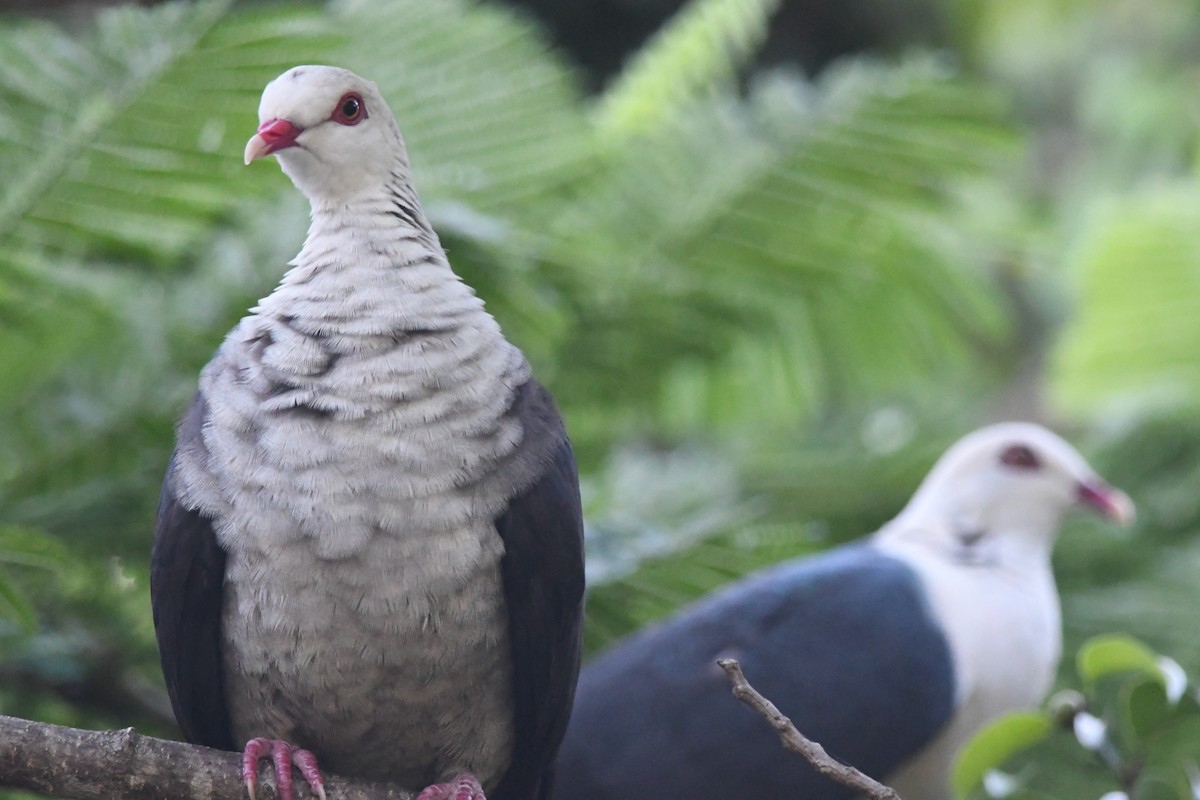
(331, 132)
(1013, 481)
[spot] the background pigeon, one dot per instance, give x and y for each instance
(890, 653)
(369, 542)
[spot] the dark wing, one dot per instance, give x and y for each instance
(843, 644)
(542, 570)
(187, 579)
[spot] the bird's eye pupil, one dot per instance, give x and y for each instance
(350, 109)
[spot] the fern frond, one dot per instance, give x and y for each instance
(790, 254)
(123, 143)
(699, 50)
(491, 117)
(1136, 266)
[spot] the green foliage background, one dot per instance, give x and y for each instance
(765, 301)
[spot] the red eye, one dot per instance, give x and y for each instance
(1020, 456)
(350, 110)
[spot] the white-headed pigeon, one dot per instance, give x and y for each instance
(891, 653)
(369, 545)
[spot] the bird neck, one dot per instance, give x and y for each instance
(390, 205)
(369, 317)
(966, 539)
(373, 267)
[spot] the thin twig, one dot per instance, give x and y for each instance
(75, 764)
(797, 742)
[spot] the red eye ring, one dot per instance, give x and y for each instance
(1020, 456)
(350, 110)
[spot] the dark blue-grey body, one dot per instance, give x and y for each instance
(843, 643)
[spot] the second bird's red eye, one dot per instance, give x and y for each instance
(350, 110)
(1020, 456)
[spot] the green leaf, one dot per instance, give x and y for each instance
(1143, 707)
(791, 255)
(1098, 366)
(23, 547)
(699, 50)
(30, 548)
(994, 745)
(1113, 654)
(17, 606)
(113, 144)
(1161, 784)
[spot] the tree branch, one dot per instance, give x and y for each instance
(797, 742)
(97, 765)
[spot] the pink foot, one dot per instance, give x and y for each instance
(465, 786)
(283, 756)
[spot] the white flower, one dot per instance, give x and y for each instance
(1091, 731)
(1175, 680)
(999, 784)
(1193, 774)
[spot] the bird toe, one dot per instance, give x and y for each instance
(464, 786)
(283, 757)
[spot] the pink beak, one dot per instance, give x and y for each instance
(273, 135)
(1111, 502)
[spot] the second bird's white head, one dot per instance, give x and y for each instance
(1003, 488)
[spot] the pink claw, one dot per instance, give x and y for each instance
(465, 786)
(283, 756)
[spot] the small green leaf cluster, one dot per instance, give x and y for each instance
(1133, 724)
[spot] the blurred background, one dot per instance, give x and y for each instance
(772, 257)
